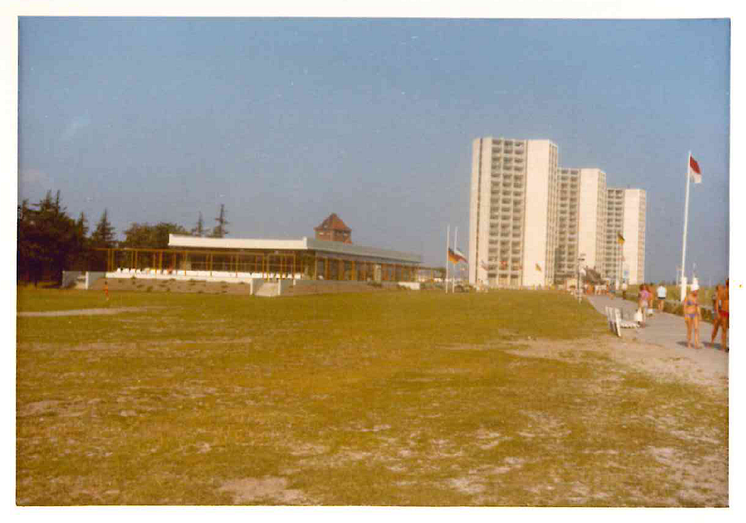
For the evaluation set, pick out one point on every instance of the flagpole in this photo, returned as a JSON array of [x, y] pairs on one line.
[[455, 268], [619, 272], [448, 246], [686, 219]]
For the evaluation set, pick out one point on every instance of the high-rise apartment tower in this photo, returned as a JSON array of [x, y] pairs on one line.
[[513, 212], [626, 212], [582, 221]]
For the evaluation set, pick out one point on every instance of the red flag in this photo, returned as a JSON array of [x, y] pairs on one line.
[[694, 171], [455, 257]]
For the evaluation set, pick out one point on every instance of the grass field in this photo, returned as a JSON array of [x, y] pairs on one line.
[[389, 398]]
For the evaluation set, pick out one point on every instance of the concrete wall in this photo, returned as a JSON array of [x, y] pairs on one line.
[[255, 282], [540, 225], [592, 216], [601, 218], [91, 277], [474, 210], [479, 208], [634, 234], [614, 226], [214, 276], [284, 285], [568, 216], [69, 278]]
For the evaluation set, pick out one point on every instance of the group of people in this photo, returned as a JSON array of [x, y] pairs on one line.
[[692, 311], [720, 311], [646, 301]]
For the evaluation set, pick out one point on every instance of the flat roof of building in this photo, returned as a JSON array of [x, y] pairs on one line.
[[303, 244]]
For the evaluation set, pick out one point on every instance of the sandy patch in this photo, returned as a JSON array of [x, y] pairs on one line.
[[84, 312], [38, 408], [486, 439], [308, 449], [467, 485], [700, 480], [268, 488], [661, 362]]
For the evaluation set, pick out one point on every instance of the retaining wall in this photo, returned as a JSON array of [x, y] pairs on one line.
[[69, 278]]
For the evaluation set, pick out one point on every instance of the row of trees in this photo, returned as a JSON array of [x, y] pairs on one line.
[[50, 241]]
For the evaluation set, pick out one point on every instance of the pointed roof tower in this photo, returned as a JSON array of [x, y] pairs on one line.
[[333, 229]]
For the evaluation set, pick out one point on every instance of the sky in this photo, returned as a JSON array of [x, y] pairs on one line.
[[286, 120]]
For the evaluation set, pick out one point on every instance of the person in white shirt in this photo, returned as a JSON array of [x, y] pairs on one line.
[[661, 296]]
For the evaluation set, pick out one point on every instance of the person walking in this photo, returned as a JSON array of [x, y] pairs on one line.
[[717, 299], [643, 300], [724, 315], [692, 317], [661, 297]]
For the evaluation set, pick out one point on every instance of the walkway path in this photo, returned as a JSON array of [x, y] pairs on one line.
[[84, 312], [668, 331]]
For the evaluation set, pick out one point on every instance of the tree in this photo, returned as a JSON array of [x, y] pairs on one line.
[[219, 231], [82, 224], [48, 239], [81, 247], [27, 254], [199, 229], [103, 235], [146, 236]]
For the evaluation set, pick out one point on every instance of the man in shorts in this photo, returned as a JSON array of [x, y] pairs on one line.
[[724, 311], [717, 299], [661, 291]]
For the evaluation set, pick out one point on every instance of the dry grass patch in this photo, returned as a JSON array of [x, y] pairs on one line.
[[371, 399]]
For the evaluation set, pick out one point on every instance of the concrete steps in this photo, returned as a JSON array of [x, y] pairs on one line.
[[80, 282], [268, 290]]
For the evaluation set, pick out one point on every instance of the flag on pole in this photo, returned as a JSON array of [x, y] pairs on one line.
[[460, 254], [483, 264], [620, 238], [538, 267], [694, 171], [453, 257]]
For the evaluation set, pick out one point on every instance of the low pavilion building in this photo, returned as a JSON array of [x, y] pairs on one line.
[[329, 256]]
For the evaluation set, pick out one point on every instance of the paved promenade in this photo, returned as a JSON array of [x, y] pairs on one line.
[[669, 331]]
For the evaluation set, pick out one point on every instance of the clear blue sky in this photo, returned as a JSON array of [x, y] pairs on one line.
[[287, 120]]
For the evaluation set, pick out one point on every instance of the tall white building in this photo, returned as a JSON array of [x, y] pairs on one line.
[[581, 220], [513, 212], [626, 213]]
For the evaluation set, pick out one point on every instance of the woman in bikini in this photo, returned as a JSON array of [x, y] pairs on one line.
[[692, 317]]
